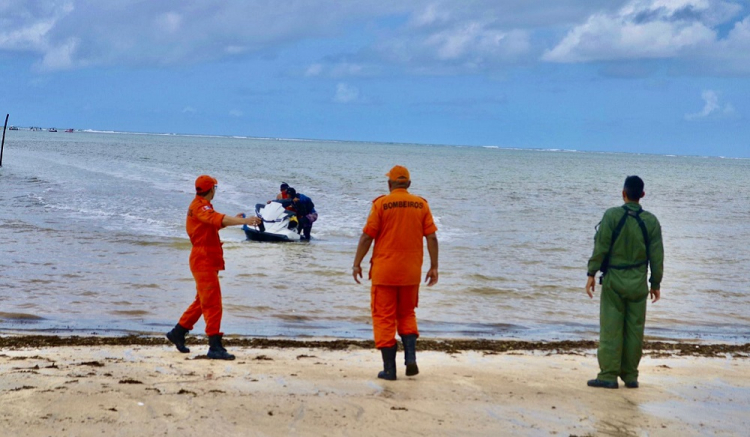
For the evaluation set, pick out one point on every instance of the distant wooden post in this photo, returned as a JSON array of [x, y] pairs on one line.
[[2, 145]]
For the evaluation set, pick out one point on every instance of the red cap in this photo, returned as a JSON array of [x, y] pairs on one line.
[[204, 183], [398, 172]]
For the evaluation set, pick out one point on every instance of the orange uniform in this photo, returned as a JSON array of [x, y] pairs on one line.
[[206, 259], [398, 223]]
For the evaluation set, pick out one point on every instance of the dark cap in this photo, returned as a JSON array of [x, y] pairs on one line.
[[291, 192], [283, 186]]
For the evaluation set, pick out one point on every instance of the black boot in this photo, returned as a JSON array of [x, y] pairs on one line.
[[389, 363], [177, 336], [215, 349], [410, 354], [602, 384]]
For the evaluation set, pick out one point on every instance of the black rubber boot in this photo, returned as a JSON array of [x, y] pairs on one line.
[[410, 354], [177, 336], [215, 349], [389, 363], [602, 384]]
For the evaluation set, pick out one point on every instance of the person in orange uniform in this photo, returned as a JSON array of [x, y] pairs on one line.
[[397, 222], [206, 259]]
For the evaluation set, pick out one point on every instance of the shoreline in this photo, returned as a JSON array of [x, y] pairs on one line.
[[450, 346], [90, 386]]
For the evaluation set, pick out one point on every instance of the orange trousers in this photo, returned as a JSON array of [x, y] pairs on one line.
[[393, 311], [207, 303]]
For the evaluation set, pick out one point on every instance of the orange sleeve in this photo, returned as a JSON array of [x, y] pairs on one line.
[[372, 227], [428, 223], [206, 214]]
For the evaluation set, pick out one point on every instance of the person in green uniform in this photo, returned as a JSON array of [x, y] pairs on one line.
[[628, 241]]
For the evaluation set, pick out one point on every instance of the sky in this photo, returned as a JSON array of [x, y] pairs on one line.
[[642, 76]]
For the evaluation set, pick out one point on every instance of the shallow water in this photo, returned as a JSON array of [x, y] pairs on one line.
[[92, 231]]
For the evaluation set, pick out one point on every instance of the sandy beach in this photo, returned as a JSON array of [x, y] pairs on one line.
[[135, 389]]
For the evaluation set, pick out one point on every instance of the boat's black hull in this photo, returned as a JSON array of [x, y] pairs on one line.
[[255, 235]]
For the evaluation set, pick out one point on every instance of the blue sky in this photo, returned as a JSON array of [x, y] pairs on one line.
[[651, 76]]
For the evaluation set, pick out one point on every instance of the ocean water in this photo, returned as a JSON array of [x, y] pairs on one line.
[[93, 240]]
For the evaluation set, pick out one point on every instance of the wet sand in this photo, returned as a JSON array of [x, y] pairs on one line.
[[135, 386]]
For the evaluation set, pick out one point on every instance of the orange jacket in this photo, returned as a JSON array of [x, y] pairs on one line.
[[398, 222], [203, 224]]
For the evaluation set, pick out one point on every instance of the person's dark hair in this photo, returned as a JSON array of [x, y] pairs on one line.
[[283, 186], [291, 192], [633, 187]]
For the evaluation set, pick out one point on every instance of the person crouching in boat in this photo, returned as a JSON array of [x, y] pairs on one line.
[[304, 208]]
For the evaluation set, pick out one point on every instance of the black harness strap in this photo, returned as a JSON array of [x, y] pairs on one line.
[[637, 216]]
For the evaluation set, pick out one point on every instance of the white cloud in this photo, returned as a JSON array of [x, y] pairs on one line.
[[235, 50], [346, 93], [687, 31], [27, 37], [236, 113], [338, 69], [27, 27], [442, 35], [431, 14], [170, 22], [314, 70], [474, 39], [646, 29], [173, 32], [188, 110], [711, 107], [61, 57], [424, 36], [732, 54]]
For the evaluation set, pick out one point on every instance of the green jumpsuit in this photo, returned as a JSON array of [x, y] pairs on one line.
[[622, 313]]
